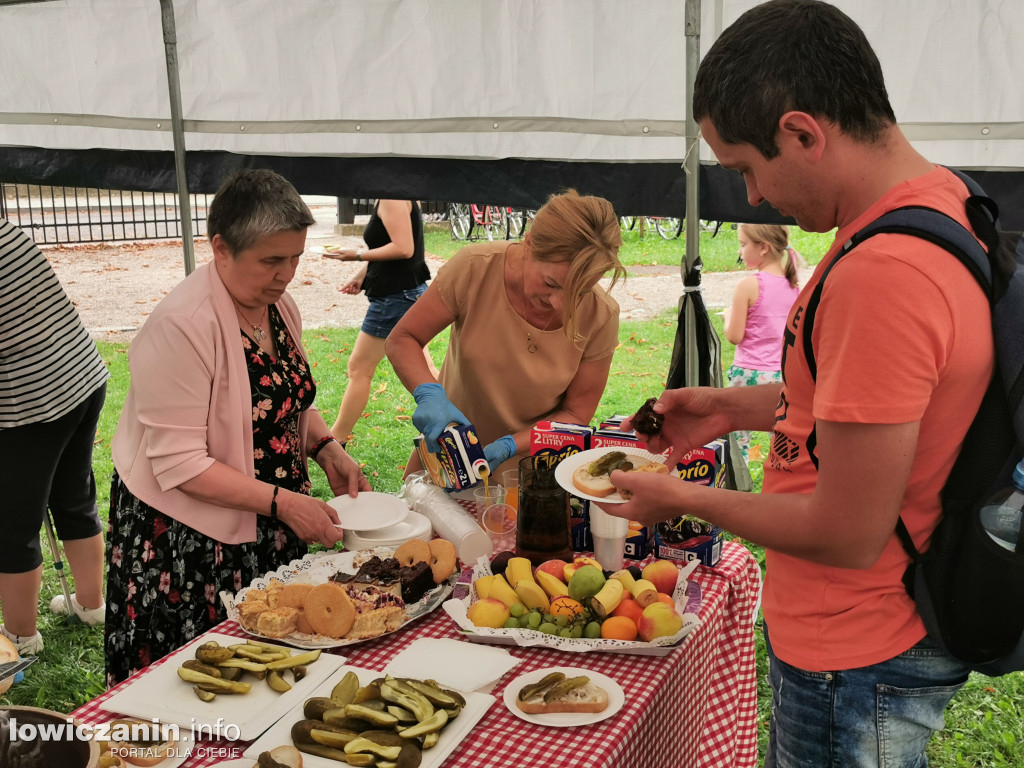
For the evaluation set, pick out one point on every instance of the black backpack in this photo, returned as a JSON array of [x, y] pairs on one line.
[[968, 589]]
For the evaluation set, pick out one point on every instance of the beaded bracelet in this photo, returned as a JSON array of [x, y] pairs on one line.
[[320, 446], [273, 504]]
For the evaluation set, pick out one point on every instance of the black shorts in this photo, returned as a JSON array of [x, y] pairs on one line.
[[48, 465]]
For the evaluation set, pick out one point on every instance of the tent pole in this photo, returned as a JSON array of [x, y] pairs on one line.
[[691, 165], [178, 131]]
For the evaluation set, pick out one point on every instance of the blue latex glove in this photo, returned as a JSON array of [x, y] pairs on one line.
[[500, 451], [434, 412]]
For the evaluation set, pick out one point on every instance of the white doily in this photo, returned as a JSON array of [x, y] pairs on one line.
[[687, 596]]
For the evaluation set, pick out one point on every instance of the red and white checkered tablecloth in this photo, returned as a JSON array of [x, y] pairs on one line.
[[696, 707]]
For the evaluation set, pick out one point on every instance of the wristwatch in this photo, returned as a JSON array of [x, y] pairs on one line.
[[359, 254]]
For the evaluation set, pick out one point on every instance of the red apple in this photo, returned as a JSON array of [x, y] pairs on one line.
[[555, 567], [663, 574], [658, 620]]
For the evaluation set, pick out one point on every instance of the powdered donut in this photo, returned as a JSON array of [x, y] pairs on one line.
[[294, 595], [413, 551], [329, 610], [442, 559]]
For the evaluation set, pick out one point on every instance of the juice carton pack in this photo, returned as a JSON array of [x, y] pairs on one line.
[[459, 463], [554, 442], [688, 538]]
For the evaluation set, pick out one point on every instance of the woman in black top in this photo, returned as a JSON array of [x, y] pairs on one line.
[[395, 276]]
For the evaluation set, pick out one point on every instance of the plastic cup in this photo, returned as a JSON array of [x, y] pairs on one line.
[[609, 534], [499, 520], [485, 497], [510, 479]]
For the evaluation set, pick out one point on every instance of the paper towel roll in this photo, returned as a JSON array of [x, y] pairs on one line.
[[448, 518]]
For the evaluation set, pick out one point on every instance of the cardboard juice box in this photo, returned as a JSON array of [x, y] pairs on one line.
[[556, 441], [688, 538]]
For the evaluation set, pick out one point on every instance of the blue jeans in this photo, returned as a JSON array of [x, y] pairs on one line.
[[385, 311], [880, 716]]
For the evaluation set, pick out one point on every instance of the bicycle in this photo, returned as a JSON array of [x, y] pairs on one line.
[[668, 227], [496, 222]]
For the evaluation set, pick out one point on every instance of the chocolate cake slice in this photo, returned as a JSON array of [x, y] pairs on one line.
[[646, 421], [413, 581], [417, 579]]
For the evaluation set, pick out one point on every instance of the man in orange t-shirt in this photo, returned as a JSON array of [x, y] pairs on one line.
[[792, 96]]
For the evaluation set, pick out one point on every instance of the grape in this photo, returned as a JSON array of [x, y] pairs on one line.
[[511, 623], [576, 631], [534, 619], [592, 630], [549, 619], [524, 620], [548, 628], [517, 609], [565, 632], [562, 620]]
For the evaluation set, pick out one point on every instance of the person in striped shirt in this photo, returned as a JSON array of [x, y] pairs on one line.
[[52, 388]]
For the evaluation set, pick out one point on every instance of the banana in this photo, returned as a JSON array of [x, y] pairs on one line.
[[553, 586], [483, 586], [518, 569], [643, 591], [531, 595], [500, 590], [608, 599]]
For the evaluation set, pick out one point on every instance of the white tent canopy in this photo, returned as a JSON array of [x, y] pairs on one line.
[[499, 100]]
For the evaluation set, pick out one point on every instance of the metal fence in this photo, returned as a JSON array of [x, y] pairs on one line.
[[79, 215], [53, 215]]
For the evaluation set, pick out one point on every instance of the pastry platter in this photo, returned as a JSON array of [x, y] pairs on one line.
[[318, 568]]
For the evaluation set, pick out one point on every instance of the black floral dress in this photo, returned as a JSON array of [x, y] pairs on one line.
[[164, 577]]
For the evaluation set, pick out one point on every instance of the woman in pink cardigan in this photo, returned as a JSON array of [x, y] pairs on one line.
[[210, 486]]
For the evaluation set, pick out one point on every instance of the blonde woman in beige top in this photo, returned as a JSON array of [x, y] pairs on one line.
[[532, 334]]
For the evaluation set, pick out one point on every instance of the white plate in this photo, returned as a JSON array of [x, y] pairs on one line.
[[476, 707], [162, 694], [565, 468], [369, 511], [616, 698], [319, 568], [322, 249]]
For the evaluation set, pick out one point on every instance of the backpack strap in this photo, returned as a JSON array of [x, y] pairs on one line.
[[927, 224]]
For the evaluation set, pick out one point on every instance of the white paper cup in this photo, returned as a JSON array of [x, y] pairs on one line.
[[609, 551], [603, 524]]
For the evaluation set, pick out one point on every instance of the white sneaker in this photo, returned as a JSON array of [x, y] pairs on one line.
[[30, 645], [90, 616]]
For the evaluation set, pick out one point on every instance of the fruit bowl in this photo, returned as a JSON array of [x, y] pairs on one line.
[[687, 598]]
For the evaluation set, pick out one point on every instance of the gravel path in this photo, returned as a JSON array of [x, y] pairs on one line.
[[116, 286]]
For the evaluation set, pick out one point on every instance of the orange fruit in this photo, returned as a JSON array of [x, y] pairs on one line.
[[667, 599], [565, 606], [629, 608], [619, 628]]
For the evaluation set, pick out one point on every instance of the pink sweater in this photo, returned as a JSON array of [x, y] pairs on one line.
[[189, 404]]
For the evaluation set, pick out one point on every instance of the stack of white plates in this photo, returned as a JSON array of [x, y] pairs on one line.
[[379, 520], [414, 526]]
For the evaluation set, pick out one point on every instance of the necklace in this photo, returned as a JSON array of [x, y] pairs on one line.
[[531, 345], [257, 328]]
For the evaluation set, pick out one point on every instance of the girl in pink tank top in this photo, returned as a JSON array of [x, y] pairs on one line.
[[757, 318]]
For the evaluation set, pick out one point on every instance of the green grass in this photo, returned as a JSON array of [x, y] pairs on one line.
[[718, 251], [984, 724]]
